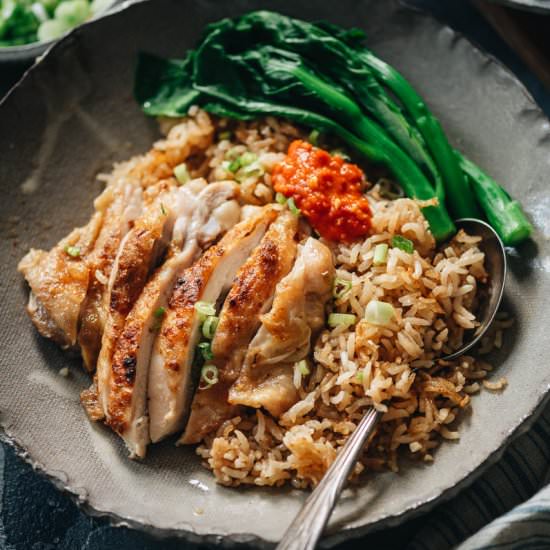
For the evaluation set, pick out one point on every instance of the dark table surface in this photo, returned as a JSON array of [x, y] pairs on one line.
[[35, 516]]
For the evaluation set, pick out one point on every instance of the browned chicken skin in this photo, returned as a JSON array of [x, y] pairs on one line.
[[286, 332], [170, 373], [249, 297], [126, 398]]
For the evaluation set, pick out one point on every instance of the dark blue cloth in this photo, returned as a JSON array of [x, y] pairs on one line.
[[34, 515]]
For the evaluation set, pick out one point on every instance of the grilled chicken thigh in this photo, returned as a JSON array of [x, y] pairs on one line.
[[127, 392], [59, 283], [285, 335], [249, 297], [125, 206], [138, 254], [170, 376]]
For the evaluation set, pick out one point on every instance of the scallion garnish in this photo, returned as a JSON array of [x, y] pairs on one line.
[[379, 313], [402, 243], [292, 207], [205, 349], [73, 251], [314, 137], [380, 254], [280, 198], [162, 209], [340, 288], [181, 173], [209, 326], [248, 158], [341, 319], [205, 308], [209, 375], [302, 367], [234, 165], [159, 312]]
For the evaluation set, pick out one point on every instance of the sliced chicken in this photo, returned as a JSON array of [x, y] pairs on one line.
[[249, 297], [297, 313], [170, 373], [59, 282], [68, 289], [137, 256], [125, 204], [127, 395]]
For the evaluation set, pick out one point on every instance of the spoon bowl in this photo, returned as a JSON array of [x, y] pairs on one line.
[[495, 265]]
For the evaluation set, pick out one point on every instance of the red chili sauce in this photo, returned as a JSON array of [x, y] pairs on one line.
[[326, 189]]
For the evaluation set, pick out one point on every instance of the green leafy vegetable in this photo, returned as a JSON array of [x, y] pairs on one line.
[[320, 76], [503, 213]]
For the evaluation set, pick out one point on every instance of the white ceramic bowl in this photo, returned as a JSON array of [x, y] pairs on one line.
[[29, 52]]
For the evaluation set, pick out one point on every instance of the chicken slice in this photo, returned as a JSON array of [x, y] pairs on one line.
[[249, 297], [59, 280], [124, 206], [297, 313], [137, 256], [127, 396], [170, 373]]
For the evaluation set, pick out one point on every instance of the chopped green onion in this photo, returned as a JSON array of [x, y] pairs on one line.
[[380, 254], [314, 137], [302, 367], [360, 375], [204, 309], [234, 165], [205, 349], [232, 153], [73, 251], [254, 169], [159, 312], [162, 209], [379, 313], [402, 243], [280, 198], [248, 158], [181, 173], [340, 288], [209, 326], [338, 319], [225, 135], [209, 375], [292, 207]]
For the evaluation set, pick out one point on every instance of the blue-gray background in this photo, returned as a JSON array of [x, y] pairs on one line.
[[35, 516]]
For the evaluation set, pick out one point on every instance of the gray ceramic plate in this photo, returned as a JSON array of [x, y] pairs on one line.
[[74, 113]]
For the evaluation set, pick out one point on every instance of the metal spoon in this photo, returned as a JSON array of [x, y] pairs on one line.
[[308, 526]]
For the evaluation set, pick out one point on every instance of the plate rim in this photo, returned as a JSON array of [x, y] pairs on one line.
[[187, 531]]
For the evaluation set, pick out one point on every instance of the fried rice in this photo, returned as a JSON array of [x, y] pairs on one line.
[[394, 368]]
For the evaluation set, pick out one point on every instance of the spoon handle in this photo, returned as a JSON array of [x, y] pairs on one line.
[[307, 527]]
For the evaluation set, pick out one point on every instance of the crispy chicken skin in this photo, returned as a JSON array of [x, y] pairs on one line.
[[286, 332], [127, 392], [59, 283], [170, 373], [67, 301], [137, 255], [249, 297]]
